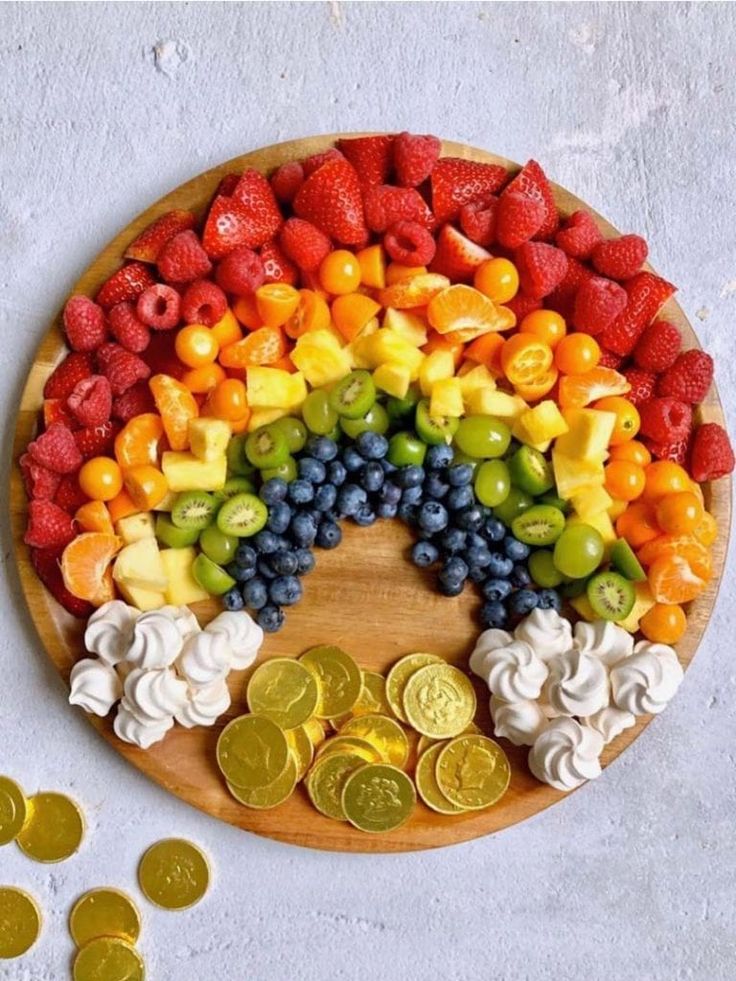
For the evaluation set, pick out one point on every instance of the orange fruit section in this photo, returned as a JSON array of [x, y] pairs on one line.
[[672, 580], [351, 312], [146, 485], [177, 406], [84, 564], [312, 313], [94, 516], [264, 346], [462, 307], [577, 391], [139, 441]]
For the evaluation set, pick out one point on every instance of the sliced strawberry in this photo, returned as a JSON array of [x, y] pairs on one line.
[[331, 199], [532, 181], [126, 284], [227, 227], [46, 562], [647, 294], [146, 247], [96, 440], [456, 256], [370, 155], [276, 267], [456, 182], [259, 206], [56, 410]]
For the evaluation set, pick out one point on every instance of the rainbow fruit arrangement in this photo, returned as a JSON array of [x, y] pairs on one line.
[[373, 332]]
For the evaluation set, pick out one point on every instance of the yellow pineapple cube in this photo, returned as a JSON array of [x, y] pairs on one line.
[[590, 502], [320, 357], [544, 422], [447, 399], [182, 587], [588, 434], [435, 367], [262, 417], [386, 346], [139, 565], [472, 377], [493, 402], [275, 388], [394, 379], [573, 474], [133, 527], [142, 599], [411, 327], [184, 471], [520, 432], [601, 522], [208, 438], [616, 509], [581, 605], [643, 602]]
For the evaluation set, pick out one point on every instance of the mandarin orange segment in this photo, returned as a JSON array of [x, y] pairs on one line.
[[351, 312], [707, 531], [396, 271], [312, 313], [94, 516], [672, 580], [462, 307], [486, 350], [276, 302], [227, 330], [264, 346], [577, 391], [139, 441], [84, 563], [246, 311], [685, 546], [146, 485], [177, 406], [372, 262], [415, 291]]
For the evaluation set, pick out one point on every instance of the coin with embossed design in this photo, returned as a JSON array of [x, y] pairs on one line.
[[338, 678], [473, 772], [53, 829], [302, 749], [316, 731], [263, 798], [378, 797], [398, 676], [13, 810], [252, 752], [350, 744], [385, 734], [426, 781], [174, 874], [439, 700], [426, 741], [326, 780], [284, 691], [371, 701]]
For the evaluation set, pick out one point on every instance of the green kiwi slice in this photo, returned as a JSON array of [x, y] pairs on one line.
[[233, 486], [354, 395], [434, 431], [530, 471], [611, 596], [242, 515], [623, 559], [540, 524], [236, 460], [168, 534], [267, 447], [194, 510], [211, 576]]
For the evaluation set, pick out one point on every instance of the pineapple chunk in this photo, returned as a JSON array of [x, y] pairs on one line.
[[411, 327], [601, 522], [588, 435], [643, 603], [447, 399], [208, 438], [574, 475], [182, 587], [472, 377], [592, 501], [387, 346], [616, 509], [520, 432], [436, 367], [492, 402], [272, 387], [184, 471], [393, 379], [544, 422], [142, 599], [581, 605], [262, 417], [139, 565], [320, 357], [167, 503], [136, 526]]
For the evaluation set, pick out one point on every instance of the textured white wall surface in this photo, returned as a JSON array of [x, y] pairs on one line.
[[103, 108]]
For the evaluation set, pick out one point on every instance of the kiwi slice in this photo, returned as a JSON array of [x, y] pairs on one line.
[[434, 431], [194, 510], [539, 525], [611, 596], [571, 588], [530, 471], [267, 447], [354, 395], [623, 559], [211, 576], [168, 534], [243, 515], [233, 486], [236, 459], [399, 410], [555, 502], [287, 471]]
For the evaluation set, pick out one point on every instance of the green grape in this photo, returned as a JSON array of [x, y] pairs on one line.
[[218, 546], [375, 421], [318, 414], [237, 463], [578, 551], [399, 410], [515, 504], [294, 431], [492, 483], [287, 471], [483, 436], [405, 449], [460, 457], [542, 569]]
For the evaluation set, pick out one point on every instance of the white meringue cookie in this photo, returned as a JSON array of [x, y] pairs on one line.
[[207, 657], [609, 722], [155, 694], [519, 722], [603, 639], [204, 705], [566, 754], [515, 673], [95, 686], [109, 631], [489, 640], [244, 635], [646, 681], [185, 620], [577, 684], [546, 632], [157, 640], [130, 729]]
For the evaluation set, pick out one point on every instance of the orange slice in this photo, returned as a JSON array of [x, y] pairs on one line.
[[177, 406], [351, 312], [416, 291], [139, 441], [311, 314], [264, 346], [579, 390], [672, 580], [684, 546], [94, 516], [276, 302], [462, 307], [84, 564]]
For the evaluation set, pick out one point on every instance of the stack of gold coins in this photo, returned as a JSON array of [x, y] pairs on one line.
[[355, 737], [105, 925]]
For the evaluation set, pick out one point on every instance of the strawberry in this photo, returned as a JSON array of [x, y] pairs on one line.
[[456, 256], [70, 496], [227, 185], [579, 235], [260, 208], [647, 293], [56, 450], [665, 419], [182, 259], [610, 360], [658, 347], [40, 482], [330, 198], [385, 205], [370, 155], [620, 258], [123, 370], [598, 302], [46, 563], [133, 402], [317, 160], [712, 456], [478, 221], [541, 267], [241, 271], [642, 384], [415, 158], [74, 367], [159, 307], [48, 526], [227, 227], [304, 243], [286, 181], [562, 297], [532, 181], [276, 267], [518, 218], [521, 305], [97, 441], [56, 410], [409, 244], [689, 378], [126, 284], [91, 401], [130, 332], [84, 323], [456, 182], [675, 450], [146, 247], [203, 303]]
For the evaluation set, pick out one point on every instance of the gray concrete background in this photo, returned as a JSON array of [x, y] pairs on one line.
[[105, 107]]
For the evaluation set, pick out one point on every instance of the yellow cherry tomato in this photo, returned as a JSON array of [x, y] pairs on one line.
[[228, 400], [196, 345], [498, 279], [101, 478], [627, 418], [632, 450], [547, 325], [525, 358], [577, 353], [340, 272]]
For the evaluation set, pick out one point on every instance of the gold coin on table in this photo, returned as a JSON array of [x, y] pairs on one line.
[[274, 794], [316, 731], [473, 772], [301, 748], [174, 874], [252, 752], [350, 744], [104, 913], [385, 734], [338, 678], [378, 797], [439, 700], [371, 701], [399, 675], [20, 922], [108, 959], [13, 810], [326, 780], [284, 691], [426, 781], [426, 741], [53, 829]]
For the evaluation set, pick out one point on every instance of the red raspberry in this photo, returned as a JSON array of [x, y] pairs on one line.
[[642, 385], [712, 456], [287, 180], [521, 305], [478, 221], [579, 235], [276, 267], [74, 367], [647, 293], [678, 450], [597, 303], [665, 419], [182, 259], [414, 158], [96, 441], [241, 271], [203, 303], [124, 285], [370, 155], [610, 360], [56, 450], [385, 205], [84, 324], [304, 243], [410, 244], [124, 369], [658, 347], [106, 353], [70, 496], [620, 258], [91, 401], [518, 218], [317, 160], [689, 378], [40, 483], [127, 329], [134, 402], [159, 307], [541, 268], [46, 563], [562, 297], [48, 526]]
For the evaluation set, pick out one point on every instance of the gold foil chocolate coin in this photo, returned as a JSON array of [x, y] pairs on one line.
[[350, 744], [426, 781], [426, 741], [316, 731], [371, 701], [104, 913], [301, 748], [284, 691], [53, 829], [13, 810], [385, 734], [252, 752], [20, 922], [174, 874], [399, 675], [274, 794], [473, 772], [378, 798], [108, 959], [326, 780], [338, 677], [439, 700]]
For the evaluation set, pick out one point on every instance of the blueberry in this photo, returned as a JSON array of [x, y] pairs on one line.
[[478, 555], [389, 493], [270, 619], [364, 516], [322, 448], [496, 589], [477, 574], [549, 599], [241, 573], [493, 614], [305, 561], [432, 516], [515, 549], [471, 519], [303, 530], [266, 542], [494, 530], [265, 569], [521, 602], [388, 467], [233, 599], [475, 540], [453, 540], [371, 475], [413, 495], [454, 569], [500, 566], [408, 512], [312, 470], [349, 499], [336, 473], [284, 563], [329, 535], [255, 594], [325, 497], [273, 491], [373, 446], [301, 491], [459, 498], [387, 510], [285, 591], [449, 587], [460, 475], [438, 457], [411, 476], [520, 576], [284, 545], [352, 459], [435, 486], [246, 556], [279, 517]]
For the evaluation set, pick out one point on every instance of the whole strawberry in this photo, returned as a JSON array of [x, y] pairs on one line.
[[91, 401], [84, 324], [712, 456], [182, 259], [578, 235], [370, 155], [414, 158], [56, 450], [48, 525], [241, 271], [125, 285], [620, 258], [518, 218], [658, 347], [74, 367], [598, 302], [665, 419], [541, 268], [304, 243], [331, 199], [689, 378]]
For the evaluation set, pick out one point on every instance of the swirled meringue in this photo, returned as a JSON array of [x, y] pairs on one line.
[[515, 673], [207, 657], [546, 632], [95, 686], [489, 640], [577, 684], [157, 641], [609, 722], [566, 754], [604, 640], [204, 705], [185, 620], [243, 634], [646, 681], [155, 694], [519, 722], [130, 729], [110, 630]]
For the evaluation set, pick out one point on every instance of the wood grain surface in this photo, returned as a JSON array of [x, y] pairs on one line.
[[365, 596]]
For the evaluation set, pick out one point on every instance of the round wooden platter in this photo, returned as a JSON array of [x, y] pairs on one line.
[[364, 596]]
